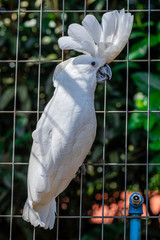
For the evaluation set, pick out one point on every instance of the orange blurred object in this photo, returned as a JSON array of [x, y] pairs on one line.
[[155, 204], [116, 207]]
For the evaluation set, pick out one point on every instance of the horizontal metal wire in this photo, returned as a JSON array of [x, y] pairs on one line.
[[58, 61], [111, 111], [76, 11], [89, 217], [94, 164]]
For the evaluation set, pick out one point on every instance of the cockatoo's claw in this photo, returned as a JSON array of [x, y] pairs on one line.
[[82, 170], [104, 73]]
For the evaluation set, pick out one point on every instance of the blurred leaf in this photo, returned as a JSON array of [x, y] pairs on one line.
[[142, 25], [46, 40], [97, 153], [136, 120], [138, 50], [99, 184], [141, 81], [141, 101], [21, 124], [8, 80], [51, 56], [30, 23], [155, 159], [24, 97], [21, 141], [2, 41], [6, 97], [12, 41], [3, 194], [136, 34], [7, 180], [154, 181], [30, 43], [152, 122], [155, 146], [90, 188], [99, 5], [155, 100], [94, 235], [154, 134], [155, 40], [21, 177], [114, 157]]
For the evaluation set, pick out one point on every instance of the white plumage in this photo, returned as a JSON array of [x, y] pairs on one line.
[[67, 127]]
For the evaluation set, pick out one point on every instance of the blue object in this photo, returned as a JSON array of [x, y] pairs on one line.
[[135, 210]]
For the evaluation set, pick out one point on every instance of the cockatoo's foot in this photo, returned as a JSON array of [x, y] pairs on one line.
[[82, 170]]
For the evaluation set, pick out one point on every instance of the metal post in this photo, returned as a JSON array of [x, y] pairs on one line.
[[135, 210]]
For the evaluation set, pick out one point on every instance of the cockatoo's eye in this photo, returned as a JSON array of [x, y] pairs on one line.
[[94, 63]]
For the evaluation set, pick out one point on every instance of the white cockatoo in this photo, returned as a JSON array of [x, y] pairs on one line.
[[66, 130]]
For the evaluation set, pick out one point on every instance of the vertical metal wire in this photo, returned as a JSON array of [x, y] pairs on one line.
[[104, 124], [63, 7], [104, 157], [126, 136], [106, 4], [39, 58], [126, 143], [85, 7], [34, 233], [57, 230], [80, 208], [148, 114], [104, 149], [81, 177], [14, 122], [39, 74]]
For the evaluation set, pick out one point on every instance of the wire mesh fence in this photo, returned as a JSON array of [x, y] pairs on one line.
[[125, 156]]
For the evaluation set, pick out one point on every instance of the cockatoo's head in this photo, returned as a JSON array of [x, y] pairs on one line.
[[90, 65], [100, 43]]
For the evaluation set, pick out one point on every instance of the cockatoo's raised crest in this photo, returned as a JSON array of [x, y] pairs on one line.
[[66, 130], [103, 41]]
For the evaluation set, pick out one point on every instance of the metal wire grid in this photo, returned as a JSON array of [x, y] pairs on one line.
[[126, 112]]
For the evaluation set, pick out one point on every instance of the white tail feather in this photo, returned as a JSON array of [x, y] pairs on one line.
[[40, 215]]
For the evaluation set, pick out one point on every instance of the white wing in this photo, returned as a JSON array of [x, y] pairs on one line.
[[61, 141]]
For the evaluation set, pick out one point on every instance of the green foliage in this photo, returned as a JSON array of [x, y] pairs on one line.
[[27, 99], [141, 81]]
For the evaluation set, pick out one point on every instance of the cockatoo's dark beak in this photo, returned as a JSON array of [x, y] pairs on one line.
[[104, 73]]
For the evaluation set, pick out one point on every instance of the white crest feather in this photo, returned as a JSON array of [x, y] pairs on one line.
[[103, 41], [69, 43], [80, 34], [88, 22]]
